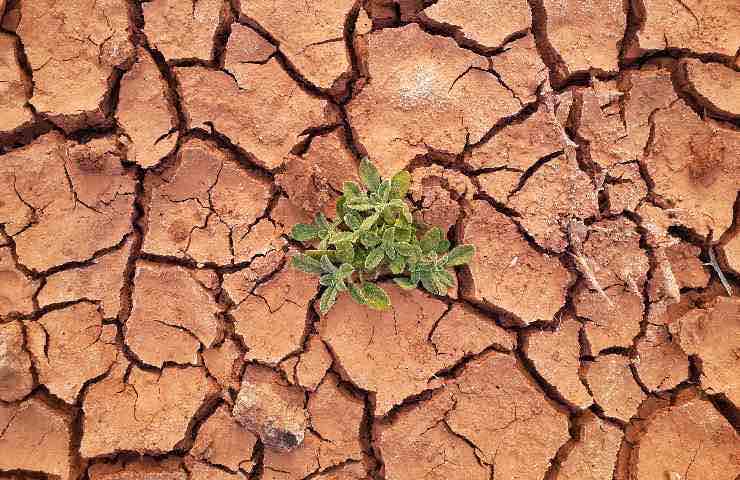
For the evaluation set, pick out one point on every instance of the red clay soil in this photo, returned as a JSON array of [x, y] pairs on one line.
[[154, 156]]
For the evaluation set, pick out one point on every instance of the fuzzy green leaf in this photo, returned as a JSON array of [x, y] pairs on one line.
[[375, 296], [369, 174], [359, 205], [368, 223], [321, 221], [356, 293], [345, 252], [460, 255], [442, 246], [328, 299], [352, 220], [351, 190], [369, 239], [389, 235], [345, 270], [340, 285], [398, 265], [374, 258], [340, 237], [408, 250], [405, 283], [306, 264], [445, 278], [407, 215], [400, 184], [304, 232], [319, 253], [389, 215], [327, 280], [427, 281], [326, 265], [384, 191], [431, 239], [403, 235]]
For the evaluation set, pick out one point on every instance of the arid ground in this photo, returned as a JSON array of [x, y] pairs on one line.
[[154, 156]]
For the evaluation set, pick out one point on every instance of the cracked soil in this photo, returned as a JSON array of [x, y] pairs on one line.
[[155, 154]]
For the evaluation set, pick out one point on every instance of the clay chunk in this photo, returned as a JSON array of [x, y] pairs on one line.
[[70, 347], [586, 35], [181, 30], [171, 316], [144, 111], [73, 48], [222, 441], [54, 189], [702, 27], [270, 409], [261, 109], [713, 334], [509, 274], [556, 356], [691, 441], [13, 89], [422, 95], [142, 411], [16, 379], [316, 48], [37, 438], [16, 289]]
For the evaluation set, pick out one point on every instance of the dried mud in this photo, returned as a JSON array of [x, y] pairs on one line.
[[154, 156]]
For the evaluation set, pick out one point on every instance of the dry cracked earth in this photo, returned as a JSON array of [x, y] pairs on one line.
[[154, 155]]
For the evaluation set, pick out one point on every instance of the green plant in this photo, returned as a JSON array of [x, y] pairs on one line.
[[373, 234]]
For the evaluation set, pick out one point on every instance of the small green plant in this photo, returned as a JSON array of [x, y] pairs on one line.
[[374, 234]]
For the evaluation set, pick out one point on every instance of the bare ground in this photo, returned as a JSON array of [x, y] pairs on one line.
[[154, 155]]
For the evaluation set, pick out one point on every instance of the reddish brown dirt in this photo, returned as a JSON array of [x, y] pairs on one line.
[[154, 156]]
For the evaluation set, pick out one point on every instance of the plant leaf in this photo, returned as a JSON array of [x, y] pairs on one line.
[[403, 234], [327, 279], [321, 221], [345, 252], [405, 283], [345, 270], [442, 246], [368, 223], [431, 239], [398, 265], [340, 285], [407, 215], [356, 293], [369, 239], [306, 264], [352, 220], [427, 281], [359, 205], [303, 232], [340, 237], [389, 235], [445, 278], [400, 184], [351, 190], [369, 174], [460, 255], [376, 297], [327, 265], [319, 253], [388, 215], [384, 190], [408, 250], [374, 258], [328, 299]]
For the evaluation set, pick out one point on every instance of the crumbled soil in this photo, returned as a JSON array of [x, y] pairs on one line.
[[154, 156]]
